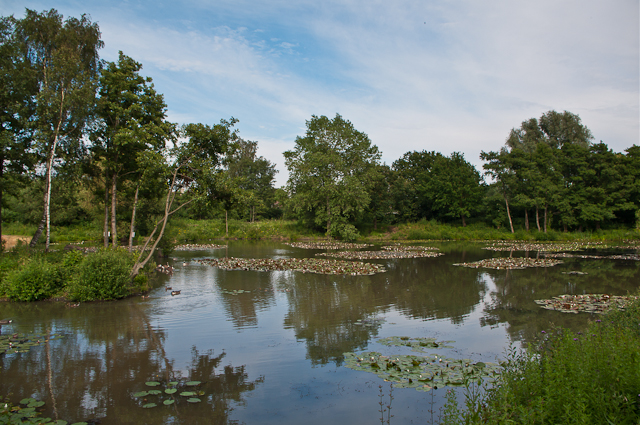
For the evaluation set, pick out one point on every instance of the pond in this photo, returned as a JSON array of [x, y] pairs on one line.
[[269, 347]]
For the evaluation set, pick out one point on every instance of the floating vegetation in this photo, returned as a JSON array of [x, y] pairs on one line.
[[510, 263], [20, 343], [420, 372], [153, 398], [416, 344], [587, 303], [370, 323], [409, 248], [574, 272], [543, 247], [380, 255], [328, 245], [234, 292], [197, 247], [305, 265], [633, 257]]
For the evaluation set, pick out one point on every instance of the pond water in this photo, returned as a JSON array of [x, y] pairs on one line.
[[273, 352]]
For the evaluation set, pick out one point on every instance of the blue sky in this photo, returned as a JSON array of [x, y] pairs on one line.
[[439, 75]]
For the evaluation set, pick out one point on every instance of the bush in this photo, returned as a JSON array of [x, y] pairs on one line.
[[103, 276], [37, 280]]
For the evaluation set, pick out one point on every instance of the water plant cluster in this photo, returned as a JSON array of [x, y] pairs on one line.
[[305, 265], [422, 373], [380, 255], [632, 257], [197, 247], [587, 303], [409, 248], [26, 412], [543, 247], [21, 343], [328, 245], [416, 344], [169, 393], [503, 263]]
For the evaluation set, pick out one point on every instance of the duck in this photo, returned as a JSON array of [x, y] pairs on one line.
[[175, 292], [168, 288], [5, 321]]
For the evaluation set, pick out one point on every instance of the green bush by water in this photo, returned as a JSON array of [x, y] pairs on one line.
[[103, 276], [37, 280], [565, 378]]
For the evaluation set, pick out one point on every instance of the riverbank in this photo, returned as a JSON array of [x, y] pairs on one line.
[[184, 231]]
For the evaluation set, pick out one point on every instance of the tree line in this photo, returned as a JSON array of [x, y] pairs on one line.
[[86, 140]]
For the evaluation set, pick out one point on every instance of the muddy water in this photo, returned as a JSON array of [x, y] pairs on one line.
[[274, 353]]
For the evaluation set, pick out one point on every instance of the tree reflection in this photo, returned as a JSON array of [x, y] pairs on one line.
[[93, 372], [512, 301]]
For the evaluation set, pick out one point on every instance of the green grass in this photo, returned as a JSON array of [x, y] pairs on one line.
[[590, 377]]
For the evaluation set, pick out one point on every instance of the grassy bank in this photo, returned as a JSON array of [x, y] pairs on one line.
[[189, 231]]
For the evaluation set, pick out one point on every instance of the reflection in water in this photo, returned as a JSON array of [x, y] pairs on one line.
[[288, 330], [109, 351], [512, 300]]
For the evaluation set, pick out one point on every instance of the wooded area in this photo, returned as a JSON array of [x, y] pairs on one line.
[[85, 140]]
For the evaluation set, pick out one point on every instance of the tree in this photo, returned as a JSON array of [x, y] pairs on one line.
[[455, 187], [65, 57], [191, 163], [131, 120], [252, 174], [330, 173], [18, 83], [412, 186]]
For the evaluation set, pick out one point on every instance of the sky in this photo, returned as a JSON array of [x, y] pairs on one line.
[[436, 75]]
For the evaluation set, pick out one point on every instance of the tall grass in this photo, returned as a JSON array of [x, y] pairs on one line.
[[590, 377]]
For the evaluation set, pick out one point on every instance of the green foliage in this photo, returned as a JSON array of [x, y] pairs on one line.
[[330, 172], [564, 378], [103, 276], [36, 280]]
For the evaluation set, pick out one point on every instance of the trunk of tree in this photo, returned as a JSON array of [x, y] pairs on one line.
[[545, 219], [537, 219], [328, 217], [226, 223], [114, 229], [526, 220], [133, 218], [1, 189], [464, 223], [139, 264], [39, 230], [47, 193], [105, 229], [506, 201]]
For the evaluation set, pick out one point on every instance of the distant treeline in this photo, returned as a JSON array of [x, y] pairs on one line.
[[85, 140]]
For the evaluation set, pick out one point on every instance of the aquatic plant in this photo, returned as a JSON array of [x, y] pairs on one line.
[[380, 255], [587, 303], [21, 343], [305, 265], [416, 344], [168, 393], [502, 263], [328, 245], [421, 372]]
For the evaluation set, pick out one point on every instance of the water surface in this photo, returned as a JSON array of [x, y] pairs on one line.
[[274, 353]]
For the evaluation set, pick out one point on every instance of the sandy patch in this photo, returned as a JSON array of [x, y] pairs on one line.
[[11, 240]]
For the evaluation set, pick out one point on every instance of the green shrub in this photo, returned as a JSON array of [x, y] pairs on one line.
[[103, 276], [37, 280]]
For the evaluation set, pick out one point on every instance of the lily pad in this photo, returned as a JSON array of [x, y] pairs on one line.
[[420, 372], [152, 383], [155, 392], [168, 402], [193, 400], [141, 394], [192, 383], [416, 344], [188, 393], [172, 383], [149, 405], [170, 390]]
